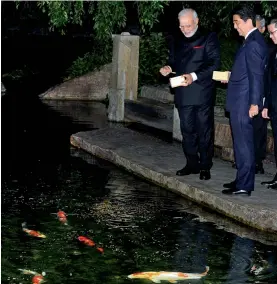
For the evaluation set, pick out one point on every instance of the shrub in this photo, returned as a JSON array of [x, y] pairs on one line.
[[153, 54], [99, 56]]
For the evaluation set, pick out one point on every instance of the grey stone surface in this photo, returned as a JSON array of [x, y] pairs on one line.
[[157, 161], [158, 94], [176, 131], [151, 108], [116, 105], [223, 136], [92, 86]]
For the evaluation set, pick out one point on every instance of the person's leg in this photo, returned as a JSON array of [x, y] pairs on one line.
[[273, 118], [259, 128], [189, 142], [205, 130], [242, 130]]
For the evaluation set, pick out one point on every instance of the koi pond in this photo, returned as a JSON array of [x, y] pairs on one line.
[[114, 224]]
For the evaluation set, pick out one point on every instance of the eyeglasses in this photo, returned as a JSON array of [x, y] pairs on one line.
[[271, 33], [186, 26]]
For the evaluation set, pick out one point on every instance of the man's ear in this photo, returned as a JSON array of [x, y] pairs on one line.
[[196, 21], [250, 22]]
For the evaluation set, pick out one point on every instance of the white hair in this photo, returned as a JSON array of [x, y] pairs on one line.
[[273, 21], [187, 11], [261, 19]]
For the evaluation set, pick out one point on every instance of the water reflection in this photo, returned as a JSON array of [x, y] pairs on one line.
[[141, 227]]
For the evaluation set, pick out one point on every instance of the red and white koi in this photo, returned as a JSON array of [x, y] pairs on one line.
[[172, 277], [37, 279], [32, 233]]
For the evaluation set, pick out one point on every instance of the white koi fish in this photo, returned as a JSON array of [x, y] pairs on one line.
[[171, 277], [28, 272]]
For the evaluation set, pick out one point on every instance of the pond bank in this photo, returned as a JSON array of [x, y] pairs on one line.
[[157, 161]]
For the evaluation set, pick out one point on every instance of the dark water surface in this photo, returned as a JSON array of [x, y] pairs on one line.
[[141, 227]]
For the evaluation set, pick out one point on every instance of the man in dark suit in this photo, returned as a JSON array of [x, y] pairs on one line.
[[245, 98], [259, 123], [194, 55], [270, 106]]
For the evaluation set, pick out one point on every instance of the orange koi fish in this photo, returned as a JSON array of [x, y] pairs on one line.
[[37, 279], [86, 241], [62, 217], [100, 249], [172, 277], [32, 233]]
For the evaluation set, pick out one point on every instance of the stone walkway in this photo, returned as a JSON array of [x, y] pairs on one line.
[[157, 161]]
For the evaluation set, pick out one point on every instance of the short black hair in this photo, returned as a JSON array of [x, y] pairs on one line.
[[245, 12]]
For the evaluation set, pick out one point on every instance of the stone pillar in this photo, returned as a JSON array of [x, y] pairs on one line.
[[125, 64], [116, 105], [177, 135], [124, 77]]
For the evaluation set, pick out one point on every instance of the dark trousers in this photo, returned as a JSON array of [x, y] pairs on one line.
[[260, 138], [273, 119], [197, 127], [243, 141]]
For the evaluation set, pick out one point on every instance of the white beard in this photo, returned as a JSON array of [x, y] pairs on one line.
[[191, 33]]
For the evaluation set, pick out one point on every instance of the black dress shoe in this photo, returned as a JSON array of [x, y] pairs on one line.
[[205, 174], [273, 186], [236, 191], [230, 185], [269, 183], [187, 171], [259, 169]]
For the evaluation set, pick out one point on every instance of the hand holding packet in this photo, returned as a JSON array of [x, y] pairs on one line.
[[177, 81]]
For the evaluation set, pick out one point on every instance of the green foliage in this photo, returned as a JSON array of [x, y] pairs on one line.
[[109, 16], [227, 53], [148, 12], [220, 96], [62, 13], [90, 61], [269, 7], [153, 55], [18, 74]]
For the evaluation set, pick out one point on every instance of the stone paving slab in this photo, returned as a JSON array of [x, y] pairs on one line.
[[157, 161]]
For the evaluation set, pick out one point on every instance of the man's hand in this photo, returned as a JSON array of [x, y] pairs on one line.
[[188, 79], [165, 70], [226, 81], [254, 110], [265, 113]]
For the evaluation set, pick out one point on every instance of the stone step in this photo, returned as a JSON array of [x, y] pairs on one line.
[[150, 113], [160, 94], [150, 108], [159, 116]]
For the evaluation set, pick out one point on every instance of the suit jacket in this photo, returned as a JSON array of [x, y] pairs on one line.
[[199, 54], [246, 83], [271, 90]]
